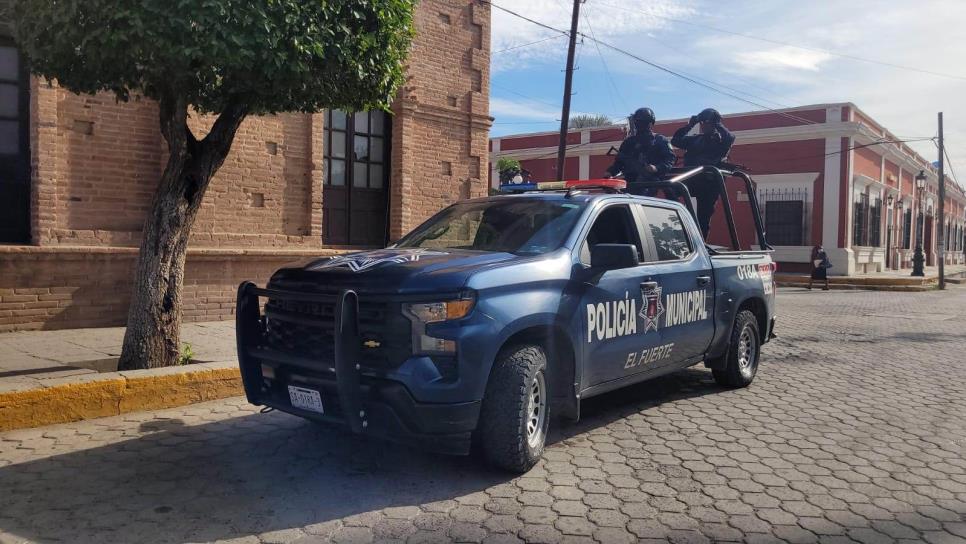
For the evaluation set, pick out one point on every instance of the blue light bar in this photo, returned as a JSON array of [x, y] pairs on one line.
[[518, 187]]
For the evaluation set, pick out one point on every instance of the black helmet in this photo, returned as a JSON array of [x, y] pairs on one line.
[[709, 114], [643, 115]]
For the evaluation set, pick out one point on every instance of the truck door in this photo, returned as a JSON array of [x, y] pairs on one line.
[[615, 317], [686, 282]]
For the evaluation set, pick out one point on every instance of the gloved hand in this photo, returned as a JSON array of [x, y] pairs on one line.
[[650, 168], [693, 121]]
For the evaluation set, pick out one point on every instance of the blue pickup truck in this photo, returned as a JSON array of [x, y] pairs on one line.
[[498, 313]]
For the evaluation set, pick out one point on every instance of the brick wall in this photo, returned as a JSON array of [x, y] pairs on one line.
[[52, 288], [95, 164], [442, 114]]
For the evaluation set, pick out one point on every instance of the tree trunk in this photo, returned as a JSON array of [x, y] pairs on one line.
[[152, 338]]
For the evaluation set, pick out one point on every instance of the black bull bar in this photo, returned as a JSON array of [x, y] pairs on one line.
[[249, 329]]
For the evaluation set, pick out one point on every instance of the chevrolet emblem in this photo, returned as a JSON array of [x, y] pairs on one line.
[[371, 344]]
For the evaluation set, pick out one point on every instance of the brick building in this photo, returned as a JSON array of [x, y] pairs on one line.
[[77, 174], [822, 179]]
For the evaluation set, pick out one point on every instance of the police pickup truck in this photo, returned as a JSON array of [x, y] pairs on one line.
[[498, 313]]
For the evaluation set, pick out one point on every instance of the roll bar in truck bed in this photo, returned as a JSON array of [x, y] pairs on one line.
[[675, 185]]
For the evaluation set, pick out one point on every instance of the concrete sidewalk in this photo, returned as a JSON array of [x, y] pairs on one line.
[[32, 357], [887, 280]]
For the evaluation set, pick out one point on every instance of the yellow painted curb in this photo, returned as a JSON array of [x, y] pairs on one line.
[[114, 395]]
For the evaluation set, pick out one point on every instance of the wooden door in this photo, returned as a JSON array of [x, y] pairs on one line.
[[355, 198], [14, 147]]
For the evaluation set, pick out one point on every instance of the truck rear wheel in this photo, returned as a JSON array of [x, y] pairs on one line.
[[744, 350], [514, 417]]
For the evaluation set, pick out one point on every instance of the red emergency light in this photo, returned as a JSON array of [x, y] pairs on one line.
[[616, 184]]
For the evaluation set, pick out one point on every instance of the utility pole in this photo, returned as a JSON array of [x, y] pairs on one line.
[[941, 238], [568, 83]]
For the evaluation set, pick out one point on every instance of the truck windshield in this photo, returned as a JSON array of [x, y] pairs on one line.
[[505, 225]]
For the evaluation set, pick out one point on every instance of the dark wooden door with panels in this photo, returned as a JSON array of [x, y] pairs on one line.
[[14, 147], [355, 193]]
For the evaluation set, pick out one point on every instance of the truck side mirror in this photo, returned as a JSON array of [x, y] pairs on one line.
[[613, 256]]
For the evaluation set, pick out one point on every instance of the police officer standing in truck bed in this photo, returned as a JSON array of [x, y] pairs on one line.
[[643, 155], [708, 148]]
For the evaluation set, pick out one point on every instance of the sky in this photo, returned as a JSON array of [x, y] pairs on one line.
[[792, 53]]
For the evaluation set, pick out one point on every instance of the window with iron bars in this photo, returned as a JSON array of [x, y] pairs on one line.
[[875, 223], [785, 215], [860, 220], [907, 229]]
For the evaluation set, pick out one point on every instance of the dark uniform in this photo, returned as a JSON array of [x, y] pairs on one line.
[[641, 149], [706, 149]]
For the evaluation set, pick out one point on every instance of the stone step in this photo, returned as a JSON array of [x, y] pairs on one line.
[[817, 286], [859, 280]]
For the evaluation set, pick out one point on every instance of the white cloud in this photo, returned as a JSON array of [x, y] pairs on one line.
[[522, 109], [900, 33], [608, 20], [784, 57]]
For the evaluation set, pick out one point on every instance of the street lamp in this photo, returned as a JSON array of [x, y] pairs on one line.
[[918, 258]]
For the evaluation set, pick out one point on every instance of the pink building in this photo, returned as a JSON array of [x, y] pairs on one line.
[[822, 179]]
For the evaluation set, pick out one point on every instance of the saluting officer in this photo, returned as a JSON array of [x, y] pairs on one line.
[[708, 148], [643, 155]]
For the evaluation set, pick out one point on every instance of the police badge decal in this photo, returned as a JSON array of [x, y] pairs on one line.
[[652, 308]]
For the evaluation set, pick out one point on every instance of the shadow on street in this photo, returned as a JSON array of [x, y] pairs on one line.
[[256, 473]]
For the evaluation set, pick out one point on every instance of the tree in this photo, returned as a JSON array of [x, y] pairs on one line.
[[587, 120], [507, 168], [226, 58], [506, 164]]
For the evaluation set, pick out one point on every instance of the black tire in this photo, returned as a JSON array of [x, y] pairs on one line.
[[508, 438], [744, 351]]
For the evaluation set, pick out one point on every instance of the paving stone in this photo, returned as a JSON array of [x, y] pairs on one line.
[[867, 453]]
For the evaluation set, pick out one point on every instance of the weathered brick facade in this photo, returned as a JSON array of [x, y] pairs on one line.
[[95, 163]]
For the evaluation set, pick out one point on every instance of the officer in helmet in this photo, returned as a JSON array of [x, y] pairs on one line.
[[707, 148], [643, 155]]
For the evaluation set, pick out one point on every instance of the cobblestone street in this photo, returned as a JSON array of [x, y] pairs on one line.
[[855, 430]]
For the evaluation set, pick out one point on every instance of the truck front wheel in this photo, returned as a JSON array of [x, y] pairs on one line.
[[514, 417], [744, 349]]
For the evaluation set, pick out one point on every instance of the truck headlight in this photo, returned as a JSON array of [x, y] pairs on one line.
[[434, 312], [423, 313]]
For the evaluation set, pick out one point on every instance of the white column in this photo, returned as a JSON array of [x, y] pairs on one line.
[[583, 171], [494, 175], [832, 184]]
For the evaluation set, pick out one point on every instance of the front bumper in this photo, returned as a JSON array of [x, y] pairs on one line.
[[365, 404]]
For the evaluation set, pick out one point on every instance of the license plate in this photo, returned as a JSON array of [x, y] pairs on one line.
[[306, 399]]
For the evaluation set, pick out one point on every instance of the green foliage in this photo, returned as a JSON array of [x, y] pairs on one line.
[[506, 164], [187, 354], [585, 120], [266, 55]]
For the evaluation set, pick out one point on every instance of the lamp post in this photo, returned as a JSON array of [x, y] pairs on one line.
[[890, 261], [918, 258]]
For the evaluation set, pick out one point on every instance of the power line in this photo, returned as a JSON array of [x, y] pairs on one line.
[[846, 150], [603, 62], [530, 98], [662, 68], [708, 86], [526, 44], [525, 18], [952, 170], [797, 46]]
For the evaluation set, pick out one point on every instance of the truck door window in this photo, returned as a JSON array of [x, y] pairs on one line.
[[667, 229], [614, 225]]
